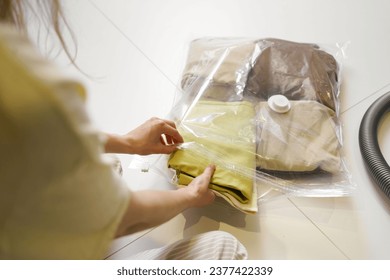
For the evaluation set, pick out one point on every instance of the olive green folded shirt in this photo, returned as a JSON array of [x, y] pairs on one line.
[[226, 131]]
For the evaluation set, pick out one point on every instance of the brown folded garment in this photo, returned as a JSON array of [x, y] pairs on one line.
[[298, 71]]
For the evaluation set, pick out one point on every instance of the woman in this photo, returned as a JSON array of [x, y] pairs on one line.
[[59, 198]]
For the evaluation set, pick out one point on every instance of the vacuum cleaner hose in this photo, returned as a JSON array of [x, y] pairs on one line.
[[369, 146]]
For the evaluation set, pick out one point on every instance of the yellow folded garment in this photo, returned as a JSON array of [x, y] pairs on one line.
[[304, 139], [226, 131]]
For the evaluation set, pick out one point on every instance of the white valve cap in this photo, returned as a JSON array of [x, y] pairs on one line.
[[279, 103]]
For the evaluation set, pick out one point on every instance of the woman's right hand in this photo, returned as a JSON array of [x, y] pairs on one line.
[[200, 193]]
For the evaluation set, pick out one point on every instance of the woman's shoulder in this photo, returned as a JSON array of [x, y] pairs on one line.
[[37, 97], [17, 45]]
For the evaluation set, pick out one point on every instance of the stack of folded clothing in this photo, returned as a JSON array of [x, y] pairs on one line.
[[226, 131], [303, 138], [260, 106]]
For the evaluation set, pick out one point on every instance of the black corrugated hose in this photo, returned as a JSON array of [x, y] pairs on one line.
[[369, 146]]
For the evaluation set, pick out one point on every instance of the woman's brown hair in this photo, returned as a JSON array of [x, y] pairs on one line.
[[48, 13]]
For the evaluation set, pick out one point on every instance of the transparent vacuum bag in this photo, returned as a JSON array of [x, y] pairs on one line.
[[266, 113]]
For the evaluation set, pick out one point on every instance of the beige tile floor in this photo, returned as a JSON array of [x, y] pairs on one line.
[[135, 51]]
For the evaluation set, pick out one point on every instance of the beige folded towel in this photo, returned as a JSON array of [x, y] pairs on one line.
[[303, 139]]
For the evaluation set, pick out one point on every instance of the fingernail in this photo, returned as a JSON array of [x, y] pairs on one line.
[[212, 166]]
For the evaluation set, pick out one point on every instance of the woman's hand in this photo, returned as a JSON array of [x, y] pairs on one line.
[[155, 136], [199, 190], [149, 208]]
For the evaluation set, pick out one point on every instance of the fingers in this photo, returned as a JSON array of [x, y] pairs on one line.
[[168, 140], [163, 148], [170, 123], [204, 179], [172, 134], [204, 184], [169, 137], [199, 188], [209, 171]]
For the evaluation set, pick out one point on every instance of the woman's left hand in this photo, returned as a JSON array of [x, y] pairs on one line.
[[155, 136]]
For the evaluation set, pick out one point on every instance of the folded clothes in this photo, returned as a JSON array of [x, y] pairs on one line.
[[297, 70], [213, 91], [224, 108], [219, 62], [303, 139], [227, 132]]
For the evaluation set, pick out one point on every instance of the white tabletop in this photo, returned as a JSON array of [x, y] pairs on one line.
[[135, 52]]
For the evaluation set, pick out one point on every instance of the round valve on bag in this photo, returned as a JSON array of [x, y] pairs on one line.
[[279, 103]]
